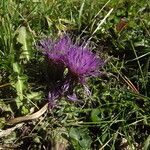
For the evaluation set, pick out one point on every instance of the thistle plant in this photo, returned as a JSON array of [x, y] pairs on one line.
[[79, 61]]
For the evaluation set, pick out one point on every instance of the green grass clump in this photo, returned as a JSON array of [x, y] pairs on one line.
[[116, 115]]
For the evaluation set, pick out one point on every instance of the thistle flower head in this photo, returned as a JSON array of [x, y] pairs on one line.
[[55, 51], [82, 63]]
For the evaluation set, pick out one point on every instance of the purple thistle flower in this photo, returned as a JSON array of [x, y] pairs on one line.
[[55, 51], [82, 63]]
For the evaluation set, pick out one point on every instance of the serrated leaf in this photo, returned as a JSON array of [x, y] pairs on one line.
[[24, 110], [16, 68], [23, 38], [34, 95], [20, 86], [94, 115], [19, 103]]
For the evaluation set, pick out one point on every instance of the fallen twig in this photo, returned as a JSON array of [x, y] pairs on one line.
[[29, 117]]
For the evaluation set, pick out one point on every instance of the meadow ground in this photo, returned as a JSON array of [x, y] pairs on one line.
[[116, 115]]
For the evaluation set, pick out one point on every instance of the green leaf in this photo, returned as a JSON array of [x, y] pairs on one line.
[[19, 103], [86, 141], [74, 134], [80, 138], [147, 143], [20, 86], [94, 115], [34, 95], [16, 68], [24, 110], [23, 38]]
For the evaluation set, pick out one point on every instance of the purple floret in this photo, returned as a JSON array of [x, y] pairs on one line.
[[45, 45]]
